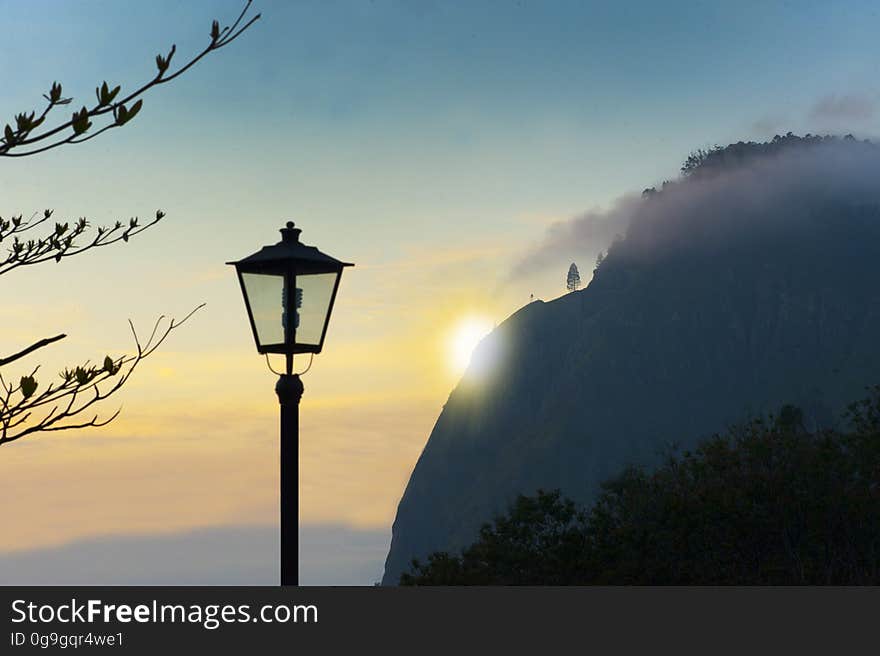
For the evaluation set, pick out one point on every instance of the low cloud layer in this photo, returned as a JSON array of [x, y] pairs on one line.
[[584, 236], [230, 555], [769, 192]]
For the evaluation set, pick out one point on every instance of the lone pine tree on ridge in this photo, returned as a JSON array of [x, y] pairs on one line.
[[573, 280]]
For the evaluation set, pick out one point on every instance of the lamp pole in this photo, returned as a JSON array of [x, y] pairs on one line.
[[305, 281], [289, 389]]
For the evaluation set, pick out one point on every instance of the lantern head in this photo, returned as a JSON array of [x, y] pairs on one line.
[[289, 289]]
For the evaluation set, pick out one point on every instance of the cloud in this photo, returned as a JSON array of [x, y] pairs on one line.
[[585, 235], [846, 108], [769, 193], [230, 555]]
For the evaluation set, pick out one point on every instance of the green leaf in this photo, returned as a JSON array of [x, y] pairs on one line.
[[109, 366], [80, 121], [24, 122], [105, 96], [134, 109], [82, 376], [124, 115], [28, 386]]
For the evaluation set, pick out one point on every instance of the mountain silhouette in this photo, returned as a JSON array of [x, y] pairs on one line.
[[750, 282]]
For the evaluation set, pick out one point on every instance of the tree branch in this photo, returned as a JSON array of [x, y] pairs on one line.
[[24, 135], [30, 349], [58, 403], [61, 242]]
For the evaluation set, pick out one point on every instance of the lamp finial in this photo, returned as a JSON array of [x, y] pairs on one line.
[[290, 233]]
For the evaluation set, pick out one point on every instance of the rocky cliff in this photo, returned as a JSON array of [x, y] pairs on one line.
[[742, 286]]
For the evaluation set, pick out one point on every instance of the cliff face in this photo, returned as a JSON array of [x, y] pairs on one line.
[[680, 333]]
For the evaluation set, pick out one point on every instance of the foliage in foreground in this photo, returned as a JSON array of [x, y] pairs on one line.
[[769, 503], [28, 405]]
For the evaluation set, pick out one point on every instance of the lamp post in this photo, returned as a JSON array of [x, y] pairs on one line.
[[289, 289]]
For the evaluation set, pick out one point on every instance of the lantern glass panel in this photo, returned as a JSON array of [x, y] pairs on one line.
[[314, 293], [264, 295]]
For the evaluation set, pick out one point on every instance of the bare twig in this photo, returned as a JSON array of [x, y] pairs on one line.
[[30, 349], [58, 403], [62, 242]]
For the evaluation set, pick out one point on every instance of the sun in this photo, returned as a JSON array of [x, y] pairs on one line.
[[463, 339]]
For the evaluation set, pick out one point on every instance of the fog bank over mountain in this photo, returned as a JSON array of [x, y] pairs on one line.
[[744, 190]]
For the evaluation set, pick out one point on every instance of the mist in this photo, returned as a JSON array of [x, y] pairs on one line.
[[751, 196]]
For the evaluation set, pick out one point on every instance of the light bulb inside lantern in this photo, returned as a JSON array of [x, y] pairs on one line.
[[297, 304]]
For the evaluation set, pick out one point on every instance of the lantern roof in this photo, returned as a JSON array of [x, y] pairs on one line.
[[290, 252]]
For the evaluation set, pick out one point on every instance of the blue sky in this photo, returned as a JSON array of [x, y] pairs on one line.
[[432, 143]]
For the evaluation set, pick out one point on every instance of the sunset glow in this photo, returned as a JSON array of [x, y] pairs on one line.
[[464, 338]]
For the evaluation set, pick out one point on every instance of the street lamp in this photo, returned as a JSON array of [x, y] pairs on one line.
[[288, 290]]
